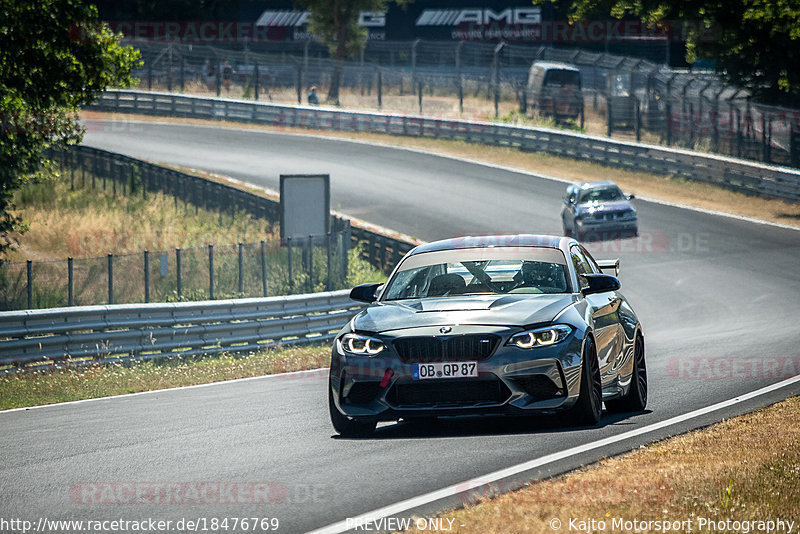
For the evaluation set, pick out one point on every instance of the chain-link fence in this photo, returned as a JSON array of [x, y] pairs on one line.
[[622, 96], [266, 267], [260, 269]]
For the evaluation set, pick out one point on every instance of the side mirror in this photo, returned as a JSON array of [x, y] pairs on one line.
[[365, 292], [600, 283], [609, 265], [631, 197]]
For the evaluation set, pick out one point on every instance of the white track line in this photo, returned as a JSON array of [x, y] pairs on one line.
[[292, 374], [415, 502]]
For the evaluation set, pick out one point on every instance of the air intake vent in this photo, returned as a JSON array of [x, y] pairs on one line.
[[470, 347], [448, 393], [539, 387]]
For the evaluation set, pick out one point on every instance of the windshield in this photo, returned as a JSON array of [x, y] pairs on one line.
[[562, 77], [601, 194], [512, 270]]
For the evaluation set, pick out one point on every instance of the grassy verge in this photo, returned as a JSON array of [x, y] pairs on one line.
[[743, 469], [85, 221], [650, 186], [51, 386], [80, 217]]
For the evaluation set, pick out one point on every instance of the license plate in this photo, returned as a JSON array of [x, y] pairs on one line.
[[424, 371]]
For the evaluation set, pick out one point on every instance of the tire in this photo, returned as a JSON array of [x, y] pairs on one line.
[[348, 426], [589, 408], [636, 398]]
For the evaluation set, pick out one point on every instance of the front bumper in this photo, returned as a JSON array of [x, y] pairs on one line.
[[586, 226], [510, 381]]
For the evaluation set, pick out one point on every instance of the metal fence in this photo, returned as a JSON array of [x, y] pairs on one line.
[[624, 96], [207, 271], [237, 270], [736, 174], [106, 334]]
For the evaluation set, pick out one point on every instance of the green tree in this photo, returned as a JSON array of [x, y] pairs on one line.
[[754, 44], [336, 24], [54, 58]]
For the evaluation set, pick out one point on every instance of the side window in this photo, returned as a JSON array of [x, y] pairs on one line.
[[570, 195], [590, 260], [581, 264]]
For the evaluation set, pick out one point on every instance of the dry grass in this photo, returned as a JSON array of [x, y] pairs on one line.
[[87, 222], [47, 387], [648, 186], [746, 468]]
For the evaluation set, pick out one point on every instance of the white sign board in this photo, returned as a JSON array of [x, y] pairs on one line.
[[305, 205]]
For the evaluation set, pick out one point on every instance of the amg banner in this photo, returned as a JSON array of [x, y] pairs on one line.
[[430, 20]]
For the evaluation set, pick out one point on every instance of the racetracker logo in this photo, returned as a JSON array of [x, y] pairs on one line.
[[732, 368], [178, 493]]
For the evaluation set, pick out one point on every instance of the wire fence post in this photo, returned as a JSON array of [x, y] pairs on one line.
[[329, 281], [70, 284], [178, 273], [147, 276], [340, 250], [380, 88], [183, 74], [497, 50], [263, 268], [346, 251], [256, 76], [29, 274], [241, 271], [111, 279], [310, 263], [289, 262], [299, 84], [460, 78], [211, 271]]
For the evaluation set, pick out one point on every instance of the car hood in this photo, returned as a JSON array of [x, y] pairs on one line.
[[490, 310], [616, 205]]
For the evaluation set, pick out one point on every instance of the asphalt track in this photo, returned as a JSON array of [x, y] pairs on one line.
[[718, 298]]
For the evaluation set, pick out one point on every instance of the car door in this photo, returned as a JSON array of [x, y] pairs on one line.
[[604, 308]]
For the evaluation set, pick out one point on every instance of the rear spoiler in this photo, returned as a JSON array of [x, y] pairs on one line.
[[608, 265]]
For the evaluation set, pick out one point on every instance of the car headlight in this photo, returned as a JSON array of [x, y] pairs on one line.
[[540, 337], [362, 345]]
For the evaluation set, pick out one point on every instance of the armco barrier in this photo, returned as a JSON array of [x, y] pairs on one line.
[[741, 175], [145, 331]]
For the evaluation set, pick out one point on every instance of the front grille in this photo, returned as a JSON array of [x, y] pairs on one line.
[[468, 347], [363, 392], [448, 393], [540, 387]]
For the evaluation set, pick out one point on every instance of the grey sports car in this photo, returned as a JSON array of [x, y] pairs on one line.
[[598, 211], [515, 325]]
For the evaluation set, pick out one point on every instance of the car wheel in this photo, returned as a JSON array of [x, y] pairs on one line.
[[348, 426], [589, 407], [636, 398]]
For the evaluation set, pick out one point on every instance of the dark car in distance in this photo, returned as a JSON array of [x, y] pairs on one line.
[[598, 210], [514, 325]]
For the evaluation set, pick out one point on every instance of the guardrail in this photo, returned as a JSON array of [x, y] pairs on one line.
[[105, 334], [740, 175]]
